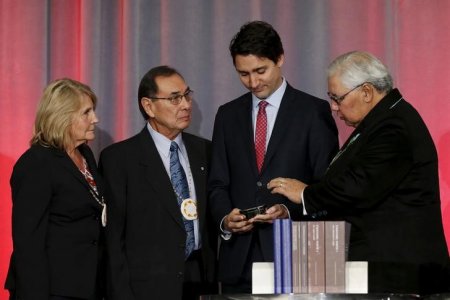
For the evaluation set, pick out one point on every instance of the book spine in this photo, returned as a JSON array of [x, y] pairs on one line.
[[296, 257], [286, 234], [335, 256], [316, 257], [277, 256], [304, 257]]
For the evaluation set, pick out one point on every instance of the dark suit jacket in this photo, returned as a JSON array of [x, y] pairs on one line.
[[303, 141], [386, 185], [57, 235], [146, 236]]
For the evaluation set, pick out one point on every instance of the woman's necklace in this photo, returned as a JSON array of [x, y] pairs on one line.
[[93, 189]]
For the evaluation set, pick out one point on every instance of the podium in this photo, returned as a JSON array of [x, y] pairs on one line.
[[326, 297]]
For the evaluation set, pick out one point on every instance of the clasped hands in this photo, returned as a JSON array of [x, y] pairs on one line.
[[235, 222]]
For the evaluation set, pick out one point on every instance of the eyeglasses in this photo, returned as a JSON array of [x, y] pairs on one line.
[[176, 99], [339, 99]]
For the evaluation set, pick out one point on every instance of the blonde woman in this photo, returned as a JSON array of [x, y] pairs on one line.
[[58, 211]]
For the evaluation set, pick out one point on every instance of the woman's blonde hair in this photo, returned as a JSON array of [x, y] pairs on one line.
[[61, 99]]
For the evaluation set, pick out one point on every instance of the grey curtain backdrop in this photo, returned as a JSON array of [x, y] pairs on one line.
[[111, 44], [193, 36]]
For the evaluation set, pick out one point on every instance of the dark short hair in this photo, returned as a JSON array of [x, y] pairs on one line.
[[149, 88], [257, 38]]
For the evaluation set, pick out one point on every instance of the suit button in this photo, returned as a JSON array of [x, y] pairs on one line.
[[259, 184], [94, 242], [180, 275], [95, 217]]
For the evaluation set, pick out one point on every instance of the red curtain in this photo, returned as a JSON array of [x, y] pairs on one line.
[[111, 44]]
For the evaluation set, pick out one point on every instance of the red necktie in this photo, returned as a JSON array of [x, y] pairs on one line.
[[261, 134]]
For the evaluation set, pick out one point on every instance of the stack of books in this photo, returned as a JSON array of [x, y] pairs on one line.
[[310, 256]]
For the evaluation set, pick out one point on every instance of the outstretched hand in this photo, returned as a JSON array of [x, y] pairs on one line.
[[290, 188]]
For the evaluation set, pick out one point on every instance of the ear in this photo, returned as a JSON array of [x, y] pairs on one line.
[[368, 91], [148, 106], [280, 61]]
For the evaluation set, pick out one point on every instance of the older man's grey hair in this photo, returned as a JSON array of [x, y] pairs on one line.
[[356, 67]]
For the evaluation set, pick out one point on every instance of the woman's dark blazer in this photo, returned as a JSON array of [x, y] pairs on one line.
[[56, 228]]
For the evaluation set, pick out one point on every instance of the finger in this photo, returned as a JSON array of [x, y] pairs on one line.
[[236, 215], [235, 218], [245, 228], [279, 190], [274, 182], [238, 225], [260, 217], [277, 211], [272, 209], [235, 212]]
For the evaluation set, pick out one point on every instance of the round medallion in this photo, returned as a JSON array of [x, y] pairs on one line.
[[189, 209]]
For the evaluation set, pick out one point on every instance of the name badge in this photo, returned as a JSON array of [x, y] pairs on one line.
[[189, 209]]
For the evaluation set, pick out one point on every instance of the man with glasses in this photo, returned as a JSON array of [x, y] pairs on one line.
[[273, 130], [158, 234], [384, 181]]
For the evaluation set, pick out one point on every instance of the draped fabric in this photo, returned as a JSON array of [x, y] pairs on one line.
[[110, 44]]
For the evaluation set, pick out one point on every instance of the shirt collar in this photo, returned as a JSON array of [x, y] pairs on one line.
[[274, 99], [163, 143]]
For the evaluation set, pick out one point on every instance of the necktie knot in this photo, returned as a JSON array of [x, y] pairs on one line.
[[262, 104], [173, 147]]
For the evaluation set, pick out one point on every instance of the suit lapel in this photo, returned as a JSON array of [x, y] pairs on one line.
[[282, 121], [71, 168], [68, 164], [246, 127], [157, 177], [92, 165]]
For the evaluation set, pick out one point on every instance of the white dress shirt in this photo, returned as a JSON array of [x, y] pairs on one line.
[[274, 102], [163, 146]]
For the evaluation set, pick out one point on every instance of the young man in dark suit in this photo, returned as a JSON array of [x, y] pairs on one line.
[[272, 130], [159, 243], [384, 181]]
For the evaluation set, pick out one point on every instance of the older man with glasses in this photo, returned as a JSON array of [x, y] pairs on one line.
[[384, 181], [158, 236]]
